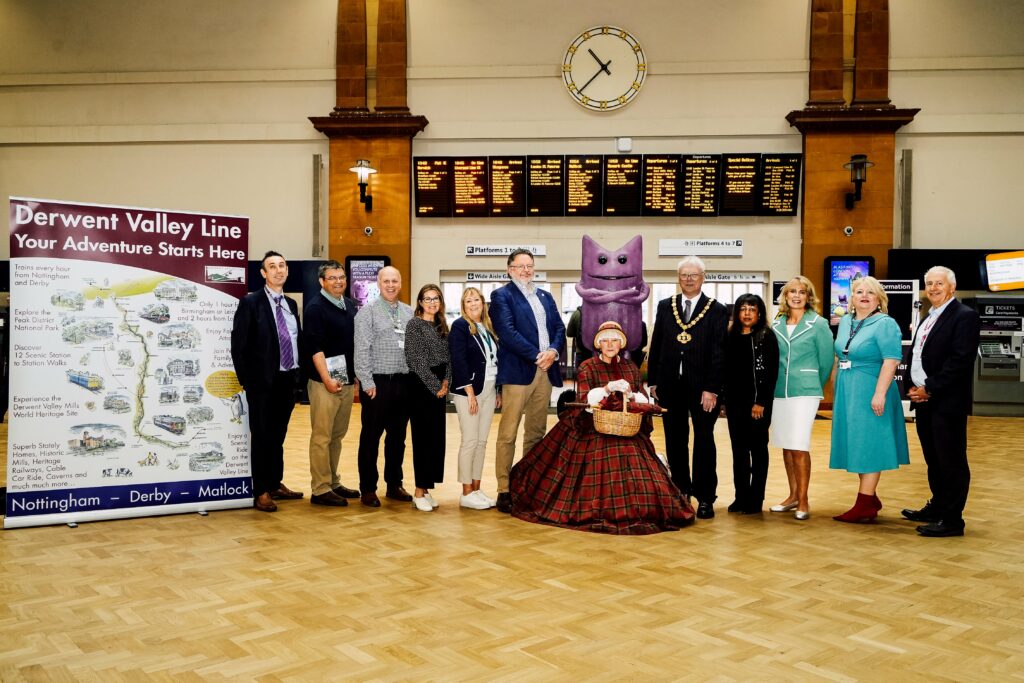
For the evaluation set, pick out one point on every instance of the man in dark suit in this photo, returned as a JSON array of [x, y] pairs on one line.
[[942, 369], [530, 333], [685, 371], [265, 342]]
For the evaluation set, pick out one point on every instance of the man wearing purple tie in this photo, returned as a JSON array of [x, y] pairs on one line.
[[265, 342]]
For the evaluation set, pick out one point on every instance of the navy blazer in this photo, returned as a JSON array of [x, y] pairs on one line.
[[468, 359], [948, 359], [254, 346], [516, 327]]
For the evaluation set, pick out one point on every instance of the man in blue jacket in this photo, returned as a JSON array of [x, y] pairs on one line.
[[530, 332]]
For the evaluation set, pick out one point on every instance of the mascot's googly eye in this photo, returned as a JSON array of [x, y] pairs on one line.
[[622, 258], [602, 259]]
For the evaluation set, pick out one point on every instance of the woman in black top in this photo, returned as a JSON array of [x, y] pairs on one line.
[[426, 353], [752, 367]]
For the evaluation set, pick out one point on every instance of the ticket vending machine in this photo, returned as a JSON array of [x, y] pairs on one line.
[[999, 374]]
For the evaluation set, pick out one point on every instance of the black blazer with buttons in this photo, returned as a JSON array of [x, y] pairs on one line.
[[254, 346], [948, 359], [702, 360]]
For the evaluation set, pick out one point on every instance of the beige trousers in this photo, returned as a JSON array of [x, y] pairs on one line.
[[328, 420], [475, 430], [517, 400]]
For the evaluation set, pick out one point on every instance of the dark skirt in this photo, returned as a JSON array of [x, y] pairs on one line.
[[579, 479]]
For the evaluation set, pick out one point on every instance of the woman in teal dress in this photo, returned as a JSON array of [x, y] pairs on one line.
[[868, 432]]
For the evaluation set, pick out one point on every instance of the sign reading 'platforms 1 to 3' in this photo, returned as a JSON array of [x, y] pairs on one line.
[[702, 185]]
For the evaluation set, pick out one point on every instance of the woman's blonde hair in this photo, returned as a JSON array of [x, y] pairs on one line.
[[484, 318], [812, 296], [873, 286]]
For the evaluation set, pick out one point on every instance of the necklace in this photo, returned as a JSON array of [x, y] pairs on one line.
[[684, 337]]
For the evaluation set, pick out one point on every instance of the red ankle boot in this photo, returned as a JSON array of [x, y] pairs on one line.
[[876, 502], [862, 512]]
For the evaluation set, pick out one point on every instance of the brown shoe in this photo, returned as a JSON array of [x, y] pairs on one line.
[[264, 503], [345, 492], [398, 493], [285, 493], [370, 499], [328, 498]]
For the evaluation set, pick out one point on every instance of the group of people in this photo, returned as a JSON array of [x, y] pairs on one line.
[[701, 364]]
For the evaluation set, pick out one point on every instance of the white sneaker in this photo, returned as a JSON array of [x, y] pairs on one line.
[[473, 502], [483, 496], [430, 499], [422, 504]]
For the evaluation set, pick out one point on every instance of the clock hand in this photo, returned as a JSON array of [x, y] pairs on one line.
[[604, 65], [590, 81]]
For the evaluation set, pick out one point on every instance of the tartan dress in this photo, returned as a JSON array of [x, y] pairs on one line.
[[579, 479]]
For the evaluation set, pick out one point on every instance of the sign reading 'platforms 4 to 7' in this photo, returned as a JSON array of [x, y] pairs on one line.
[[124, 400]]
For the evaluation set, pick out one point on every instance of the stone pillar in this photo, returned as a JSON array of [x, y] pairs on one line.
[[871, 51], [392, 60], [350, 56], [825, 82]]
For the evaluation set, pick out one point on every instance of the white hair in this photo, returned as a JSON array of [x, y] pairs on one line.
[[691, 261], [950, 275]]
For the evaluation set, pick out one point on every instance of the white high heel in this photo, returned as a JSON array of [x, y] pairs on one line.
[[784, 507]]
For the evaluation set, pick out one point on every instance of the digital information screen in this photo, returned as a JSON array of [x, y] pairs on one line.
[[740, 187], [433, 187], [661, 185], [508, 186], [584, 181], [469, 180], [545, 186], [700, 186], [622, 185], [780, 184]]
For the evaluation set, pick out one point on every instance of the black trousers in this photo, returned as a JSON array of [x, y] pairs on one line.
[[749, 438], [427, 420], [944, 444], [387, 412], [682, 407], [269, 412]]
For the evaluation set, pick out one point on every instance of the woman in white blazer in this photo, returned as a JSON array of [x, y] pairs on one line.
[[805, 363]]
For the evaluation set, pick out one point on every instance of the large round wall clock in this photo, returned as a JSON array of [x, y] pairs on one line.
[[604, 68]]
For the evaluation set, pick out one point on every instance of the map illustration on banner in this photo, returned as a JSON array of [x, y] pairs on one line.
[[124, 399]]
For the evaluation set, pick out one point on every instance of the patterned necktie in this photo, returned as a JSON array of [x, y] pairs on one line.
[[686, 311], [284, 337]]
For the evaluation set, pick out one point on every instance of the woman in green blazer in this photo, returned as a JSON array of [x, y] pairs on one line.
[[805, 363]]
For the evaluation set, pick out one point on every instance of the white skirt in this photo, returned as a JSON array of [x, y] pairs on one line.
[[792, 421]]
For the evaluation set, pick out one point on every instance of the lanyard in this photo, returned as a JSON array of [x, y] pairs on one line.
[[854, 331]]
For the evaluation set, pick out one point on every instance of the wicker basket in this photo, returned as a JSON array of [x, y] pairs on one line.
[[617, 423]]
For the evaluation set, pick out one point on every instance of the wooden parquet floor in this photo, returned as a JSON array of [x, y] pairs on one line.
[[391, 594]]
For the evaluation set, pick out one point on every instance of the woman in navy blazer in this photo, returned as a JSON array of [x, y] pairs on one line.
[[805, 363], [474, 347]]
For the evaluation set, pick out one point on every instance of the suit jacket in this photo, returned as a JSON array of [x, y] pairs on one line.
[[696, 366], [254, 346], [516, 327], [805, 358], [948, 359], [468, 362]]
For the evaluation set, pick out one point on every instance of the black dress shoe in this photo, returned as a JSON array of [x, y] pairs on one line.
[[705, 511], [926, 514], [328, 498], [398, 493], [285, 493], [751, 510], [345, 492], [370, 499], [735, 506], [504, 502], [941, 529]]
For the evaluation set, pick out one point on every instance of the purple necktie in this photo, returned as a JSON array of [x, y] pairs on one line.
[[284, 337]]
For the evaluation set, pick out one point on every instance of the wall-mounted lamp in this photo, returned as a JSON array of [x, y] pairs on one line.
[[858, 167], [363, 170]]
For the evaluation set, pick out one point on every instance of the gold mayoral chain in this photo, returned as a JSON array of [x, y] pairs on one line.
[[684, 337]]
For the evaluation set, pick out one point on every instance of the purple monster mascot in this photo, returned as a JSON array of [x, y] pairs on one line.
[[612, 287]]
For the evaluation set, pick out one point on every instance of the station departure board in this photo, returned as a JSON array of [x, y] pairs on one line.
[[661, 185], [508, 186], [591, 185], [741, 187], [623, 189], [584, 182], [545, 186], [469, 187], [433, 187]]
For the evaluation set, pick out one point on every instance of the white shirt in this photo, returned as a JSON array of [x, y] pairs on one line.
[[917, 373]]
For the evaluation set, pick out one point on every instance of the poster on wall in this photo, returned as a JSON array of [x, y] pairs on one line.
[[840, 272], [124, 400], [362, 277]]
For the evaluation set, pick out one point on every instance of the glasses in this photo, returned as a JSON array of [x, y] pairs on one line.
[[522, 268], [335, 278], [431, 300], [748, 309], [690, 276]]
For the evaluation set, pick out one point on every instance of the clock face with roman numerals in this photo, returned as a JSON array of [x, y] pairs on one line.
[[604, 68]]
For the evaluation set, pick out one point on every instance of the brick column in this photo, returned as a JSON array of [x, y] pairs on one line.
[[392, 60], [825, 80], [871, 46], [350, 56]]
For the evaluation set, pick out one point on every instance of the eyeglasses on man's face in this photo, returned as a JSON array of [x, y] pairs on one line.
[[522, 267], [690, 276], [335, 278]]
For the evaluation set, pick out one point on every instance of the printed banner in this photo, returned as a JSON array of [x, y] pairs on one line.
[[124, 400]]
